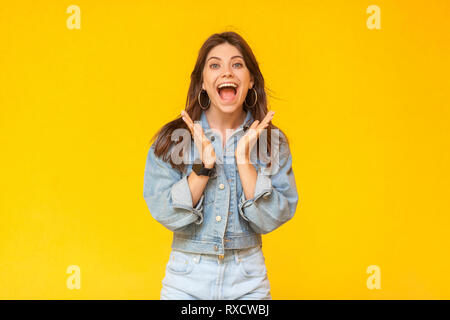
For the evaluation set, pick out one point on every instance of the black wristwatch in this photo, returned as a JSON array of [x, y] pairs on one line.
[[200, 170]]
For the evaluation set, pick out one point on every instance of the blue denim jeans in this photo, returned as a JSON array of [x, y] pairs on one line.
[[241, 274]]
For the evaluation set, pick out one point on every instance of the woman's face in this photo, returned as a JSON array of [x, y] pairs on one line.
[[225, 64]]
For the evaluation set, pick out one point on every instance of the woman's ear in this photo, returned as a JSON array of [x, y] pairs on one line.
[[252, 82]]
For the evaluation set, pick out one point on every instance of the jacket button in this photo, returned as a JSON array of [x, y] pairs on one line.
[[221, 186], [218, 218], [230, 212], [213, 138], [215, 248]]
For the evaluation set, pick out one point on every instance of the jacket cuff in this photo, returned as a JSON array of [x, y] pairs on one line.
[[263, 188], [182, 198]]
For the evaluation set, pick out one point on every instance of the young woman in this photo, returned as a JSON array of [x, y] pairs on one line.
[[219, 201]]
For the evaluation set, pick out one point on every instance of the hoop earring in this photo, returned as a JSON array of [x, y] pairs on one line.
[[200, 102], [254, 103]]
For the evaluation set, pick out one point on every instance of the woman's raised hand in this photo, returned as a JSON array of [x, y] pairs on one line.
[[204, 146], [247, 142]]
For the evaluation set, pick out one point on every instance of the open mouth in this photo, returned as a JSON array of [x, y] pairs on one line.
[[227, 91]]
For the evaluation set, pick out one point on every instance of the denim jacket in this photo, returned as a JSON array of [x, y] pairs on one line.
[[223, 218]]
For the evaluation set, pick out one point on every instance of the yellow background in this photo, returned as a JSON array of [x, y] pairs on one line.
[[366, 111]]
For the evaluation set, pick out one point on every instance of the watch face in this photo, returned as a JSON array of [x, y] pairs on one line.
[[200, 170], [197, 167]]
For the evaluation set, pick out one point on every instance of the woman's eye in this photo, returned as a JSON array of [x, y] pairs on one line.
[[212, 65], [238, 63]]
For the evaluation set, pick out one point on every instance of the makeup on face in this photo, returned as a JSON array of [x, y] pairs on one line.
[[226, 76]]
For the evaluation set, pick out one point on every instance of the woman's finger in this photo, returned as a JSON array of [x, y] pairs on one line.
[[266, 120], [186, 121], [254, 124], [186, 116], [191, 129], [193, 125], [200, 135], [195, 128], [198, 130]]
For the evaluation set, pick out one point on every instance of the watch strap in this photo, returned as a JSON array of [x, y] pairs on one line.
[[200, 170]]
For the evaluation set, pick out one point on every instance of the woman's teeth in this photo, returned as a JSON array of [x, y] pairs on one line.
[[227, 84]]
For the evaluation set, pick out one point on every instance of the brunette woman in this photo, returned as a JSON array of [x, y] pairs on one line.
[[207, 179]]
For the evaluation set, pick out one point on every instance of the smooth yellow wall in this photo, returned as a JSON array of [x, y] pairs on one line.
[[366, 111]]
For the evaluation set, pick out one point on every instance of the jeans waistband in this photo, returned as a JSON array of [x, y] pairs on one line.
[[230, 255]]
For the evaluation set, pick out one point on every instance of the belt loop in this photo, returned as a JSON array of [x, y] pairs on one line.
[[236, 256], [197, 258]]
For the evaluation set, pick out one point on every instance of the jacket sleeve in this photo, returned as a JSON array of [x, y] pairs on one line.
[[167, 194], [275, 198]]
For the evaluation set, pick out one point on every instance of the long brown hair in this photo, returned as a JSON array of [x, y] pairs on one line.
[[163, 136]]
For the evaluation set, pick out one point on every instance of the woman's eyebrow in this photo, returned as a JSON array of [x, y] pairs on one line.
[[221, 59]]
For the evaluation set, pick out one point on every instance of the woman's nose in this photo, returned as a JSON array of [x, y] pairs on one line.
[[227, 75], [227, 72]]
